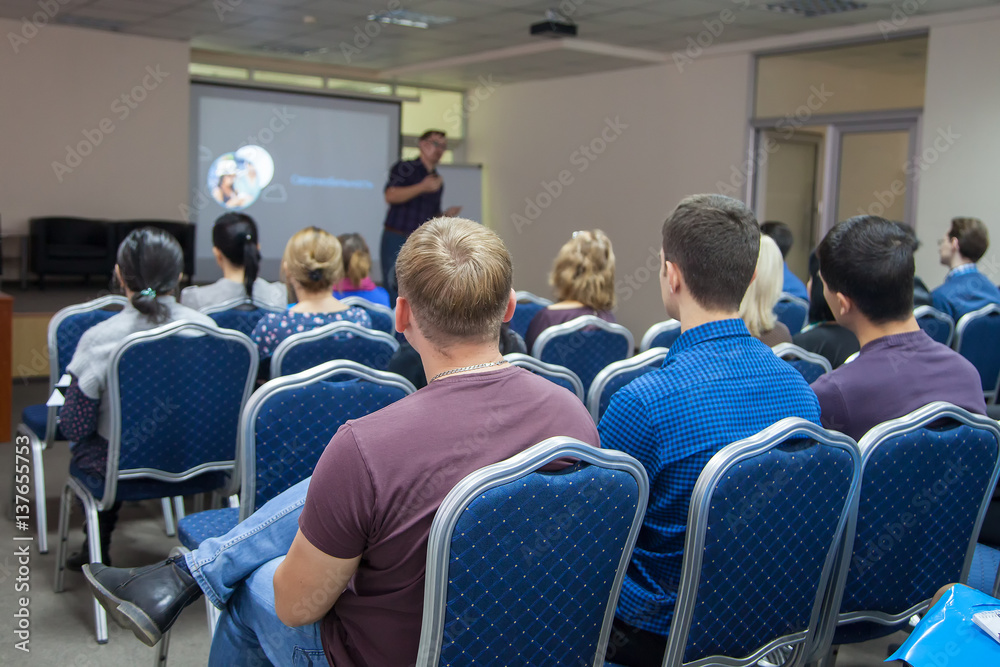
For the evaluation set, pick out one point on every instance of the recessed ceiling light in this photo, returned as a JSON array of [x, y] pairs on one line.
[[812, 8], [308, 19], [409, 19]]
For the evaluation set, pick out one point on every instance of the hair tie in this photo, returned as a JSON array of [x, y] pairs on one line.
[[315, 275], [149, 291], [249, 238]]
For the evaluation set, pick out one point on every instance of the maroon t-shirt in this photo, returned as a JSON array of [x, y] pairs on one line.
[[381, 479]]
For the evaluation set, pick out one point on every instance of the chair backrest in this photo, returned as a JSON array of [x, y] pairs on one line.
[[935, 324], [618, 374], [175, 395], [561, 375], [527, 307], [766, 527], [383, 319], [584, 345], [792, 311], [809, 364], [661, 334], [64, 332], [338, 340], [926, 481], [290, 420], [524, 567], [976, 336], [240, 314]]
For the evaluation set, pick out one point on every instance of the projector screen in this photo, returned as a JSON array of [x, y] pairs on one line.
[[289, 160]]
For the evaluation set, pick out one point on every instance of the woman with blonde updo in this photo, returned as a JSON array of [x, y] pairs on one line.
[[357, 265], [583, 276], [757, 308], [312, 263]]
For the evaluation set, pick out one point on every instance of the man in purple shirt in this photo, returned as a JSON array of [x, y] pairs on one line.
[[413, 193], [364, 517], [866, 264]]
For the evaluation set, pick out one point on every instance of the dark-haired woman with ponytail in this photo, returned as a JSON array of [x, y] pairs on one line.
[[237, 251], [357, 266], [149, 266]]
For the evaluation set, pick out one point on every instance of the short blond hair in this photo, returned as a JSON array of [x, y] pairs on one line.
[[757, 307], [313, 258], [584, 270], [457, 275]]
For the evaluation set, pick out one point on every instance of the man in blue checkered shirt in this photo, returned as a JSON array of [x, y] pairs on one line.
[[717, 385]]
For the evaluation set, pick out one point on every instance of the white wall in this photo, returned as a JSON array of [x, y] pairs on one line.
[[961, 175], [673, 134], [63, 87]]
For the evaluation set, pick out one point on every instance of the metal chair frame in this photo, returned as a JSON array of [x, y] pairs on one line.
[[697, 529], [578, 325], [962, 325], [655, 330], [39, 442], [236, 303], [929, 311], [498, 474], [645, 358], [791, 298], [365, 304], [782, 350], [327, 330], [528, 362], [528, 297]]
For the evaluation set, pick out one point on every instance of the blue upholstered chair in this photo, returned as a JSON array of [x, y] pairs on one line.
[[792, 311], [809, 364], [584, 345], [561, 375], [527, 307], [927, 479], [661, 334], [284, 428], [38, 422], [240, 314], [935, 324], [524, 567], [767, 526], [383, 319], [976, 336], [618, 374], [984, 574], [175, 395], [339, 340]]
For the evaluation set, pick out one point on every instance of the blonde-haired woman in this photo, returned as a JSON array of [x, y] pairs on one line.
[[757, 308], [312, 263], [357, 266], [583, 276]]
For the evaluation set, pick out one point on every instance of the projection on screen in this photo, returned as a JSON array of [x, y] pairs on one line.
[[289, 161]]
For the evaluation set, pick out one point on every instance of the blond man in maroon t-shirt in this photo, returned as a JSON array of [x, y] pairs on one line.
[[364, 517]]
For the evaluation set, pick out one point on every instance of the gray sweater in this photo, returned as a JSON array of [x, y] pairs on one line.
[[92, 359], [223, 289]]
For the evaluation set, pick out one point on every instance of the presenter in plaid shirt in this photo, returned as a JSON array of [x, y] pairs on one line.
[[717, 385], [413, 193]]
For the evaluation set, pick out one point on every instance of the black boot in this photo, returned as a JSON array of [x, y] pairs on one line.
[[107, 519], [146, 600]]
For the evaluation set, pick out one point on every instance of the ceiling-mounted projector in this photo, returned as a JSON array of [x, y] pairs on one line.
[[554, 25]]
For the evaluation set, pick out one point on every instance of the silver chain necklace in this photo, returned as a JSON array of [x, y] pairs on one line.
[[466, 368]]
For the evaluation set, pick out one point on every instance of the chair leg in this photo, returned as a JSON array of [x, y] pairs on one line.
[[161, 650], [94, 543], [168, 517], [65, 507], [41, 515], [179, 507]]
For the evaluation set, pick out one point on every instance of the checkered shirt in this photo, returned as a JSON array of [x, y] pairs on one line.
[[716, 386]]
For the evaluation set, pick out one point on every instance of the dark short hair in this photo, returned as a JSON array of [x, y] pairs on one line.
[[973, 238], [430, 133], [781, 233], [714, 240], [869, 260], [819, 309]]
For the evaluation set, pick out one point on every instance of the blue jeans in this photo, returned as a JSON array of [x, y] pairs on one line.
[[392, 243], [236, 573]]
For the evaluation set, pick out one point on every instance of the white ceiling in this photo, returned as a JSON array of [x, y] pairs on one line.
[[488, 37]]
